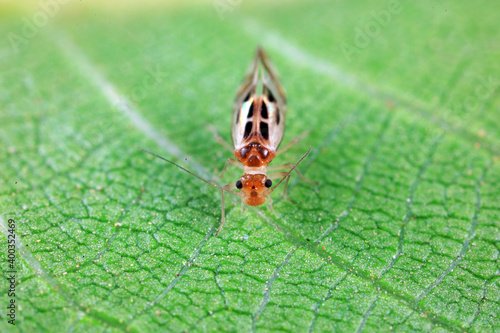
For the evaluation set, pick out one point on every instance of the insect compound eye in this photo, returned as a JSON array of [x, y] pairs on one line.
[[239, 184], [269, 183]]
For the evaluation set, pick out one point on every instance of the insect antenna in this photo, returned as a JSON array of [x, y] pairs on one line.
[[191, 173], [289, 172]]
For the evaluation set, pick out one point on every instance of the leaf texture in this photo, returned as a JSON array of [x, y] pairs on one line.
[[401, 233]]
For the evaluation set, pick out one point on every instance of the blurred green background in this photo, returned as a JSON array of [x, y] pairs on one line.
[[401, 233]]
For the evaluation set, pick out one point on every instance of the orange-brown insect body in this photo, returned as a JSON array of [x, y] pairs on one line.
[[258, 127], [254, 189], [254, 155]]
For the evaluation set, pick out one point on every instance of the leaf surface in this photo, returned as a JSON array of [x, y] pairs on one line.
[[401, 233]]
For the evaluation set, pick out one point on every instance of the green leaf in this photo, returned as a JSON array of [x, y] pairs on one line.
[[401, 233]]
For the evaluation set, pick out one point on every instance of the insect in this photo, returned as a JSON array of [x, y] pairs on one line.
[[258, 124]]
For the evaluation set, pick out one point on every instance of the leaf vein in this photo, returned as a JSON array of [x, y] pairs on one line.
[[466, 243], [269, 285], [409, 203], [367, 314]]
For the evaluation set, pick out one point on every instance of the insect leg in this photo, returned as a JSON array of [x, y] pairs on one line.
[[229, 188], [293, 142], [219, 139], [223, 217], [232, 161], [279, 175], [270, 204]]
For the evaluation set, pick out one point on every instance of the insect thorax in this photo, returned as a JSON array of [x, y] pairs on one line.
[[254, 155]]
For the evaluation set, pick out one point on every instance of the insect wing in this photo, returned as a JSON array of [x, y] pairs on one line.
[[260, 118], [242, 103]]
